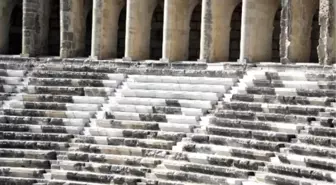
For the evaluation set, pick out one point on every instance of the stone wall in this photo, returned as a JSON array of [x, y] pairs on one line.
[[235, 33]]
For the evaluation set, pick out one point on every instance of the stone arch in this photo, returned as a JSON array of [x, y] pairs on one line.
[[195, 33], [276, 36], [88, 33], [15, 30], [235, 33], [156, 33], [54, 28], [121, 33], [315, 34]]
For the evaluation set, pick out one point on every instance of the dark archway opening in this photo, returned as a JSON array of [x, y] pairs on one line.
[[54, 28], [88, 33], [235, 33], [195, 33], [315, 35], [276, 37], [121, 33], [156, 34], [15, 31]]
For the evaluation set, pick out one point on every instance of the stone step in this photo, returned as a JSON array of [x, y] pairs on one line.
[[41, 128], [125, 124], [251, 134], [29, 120], [52, 106], [22, 65], [206, 169], [181, 80], [73, 91], [170, 94], [22, 172], [177, 87], [322, 131], [103, 168], [116, 159], [148, 117], [194, 177], [72, 82], [33, 145], [11, 80], [292, 76], [67, 182], [21, 181], [36, 136], [327, 122], [28, 153], [275, 99], [297, 171], [135, 133], [312, 150], [25, 163], [237, 142], [285, 91], [121, 150], [13, 73], [78, 75], [60, 98], [257, 125], [281, 179], [154, 109], [163, 102], [317, 140], [12, 88], [49, 113], [224, 150]]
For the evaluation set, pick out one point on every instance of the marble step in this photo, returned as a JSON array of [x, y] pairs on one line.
[[103, 168], [41, 128], [275, 99], [224, 150], [154, 109], [12, 65], [60, 98], [312, 150], [321, 131], [163, 102], [49, 113], [317, 140], [12, 88], [21, 181], [57, 137], [29, 120], [148, 117], [72, 91], [28, 153], [52, 106], [290, 128], [181, 80], [13, 73], [177, 87], [281, 179], [170, 94], [292, 76], [78, 75], [11, 80], [25, 163], [67, 182], [22, 172], [237, 142], [33, 145], [194, 177], [72, 82]]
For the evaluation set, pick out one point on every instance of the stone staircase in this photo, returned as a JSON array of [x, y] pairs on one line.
[[148, 123]]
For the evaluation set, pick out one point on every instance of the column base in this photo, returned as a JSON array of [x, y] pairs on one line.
[[164, 60], [127, 59]]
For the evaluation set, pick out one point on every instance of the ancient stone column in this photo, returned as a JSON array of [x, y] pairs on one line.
[[72, 28], [327, 43], [215, 29], [296, 25], [6, 7], [257, 29], [177, 15], [105, 28], [138, 25], [35, 27]]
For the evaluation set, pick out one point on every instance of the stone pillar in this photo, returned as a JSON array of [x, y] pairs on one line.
[[177, 15], [296, 25], [72, 28], [138, 26], [35, 27], [257, 29], [105, 28], [215, 29], [327, 43], [6, 7]]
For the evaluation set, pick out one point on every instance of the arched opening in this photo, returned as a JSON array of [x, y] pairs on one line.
[[235, 33], [315, 34], [195, 33], [54, 28], [121, 33], [88, 33], [156, 34], [276, 37], [15, 30]]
